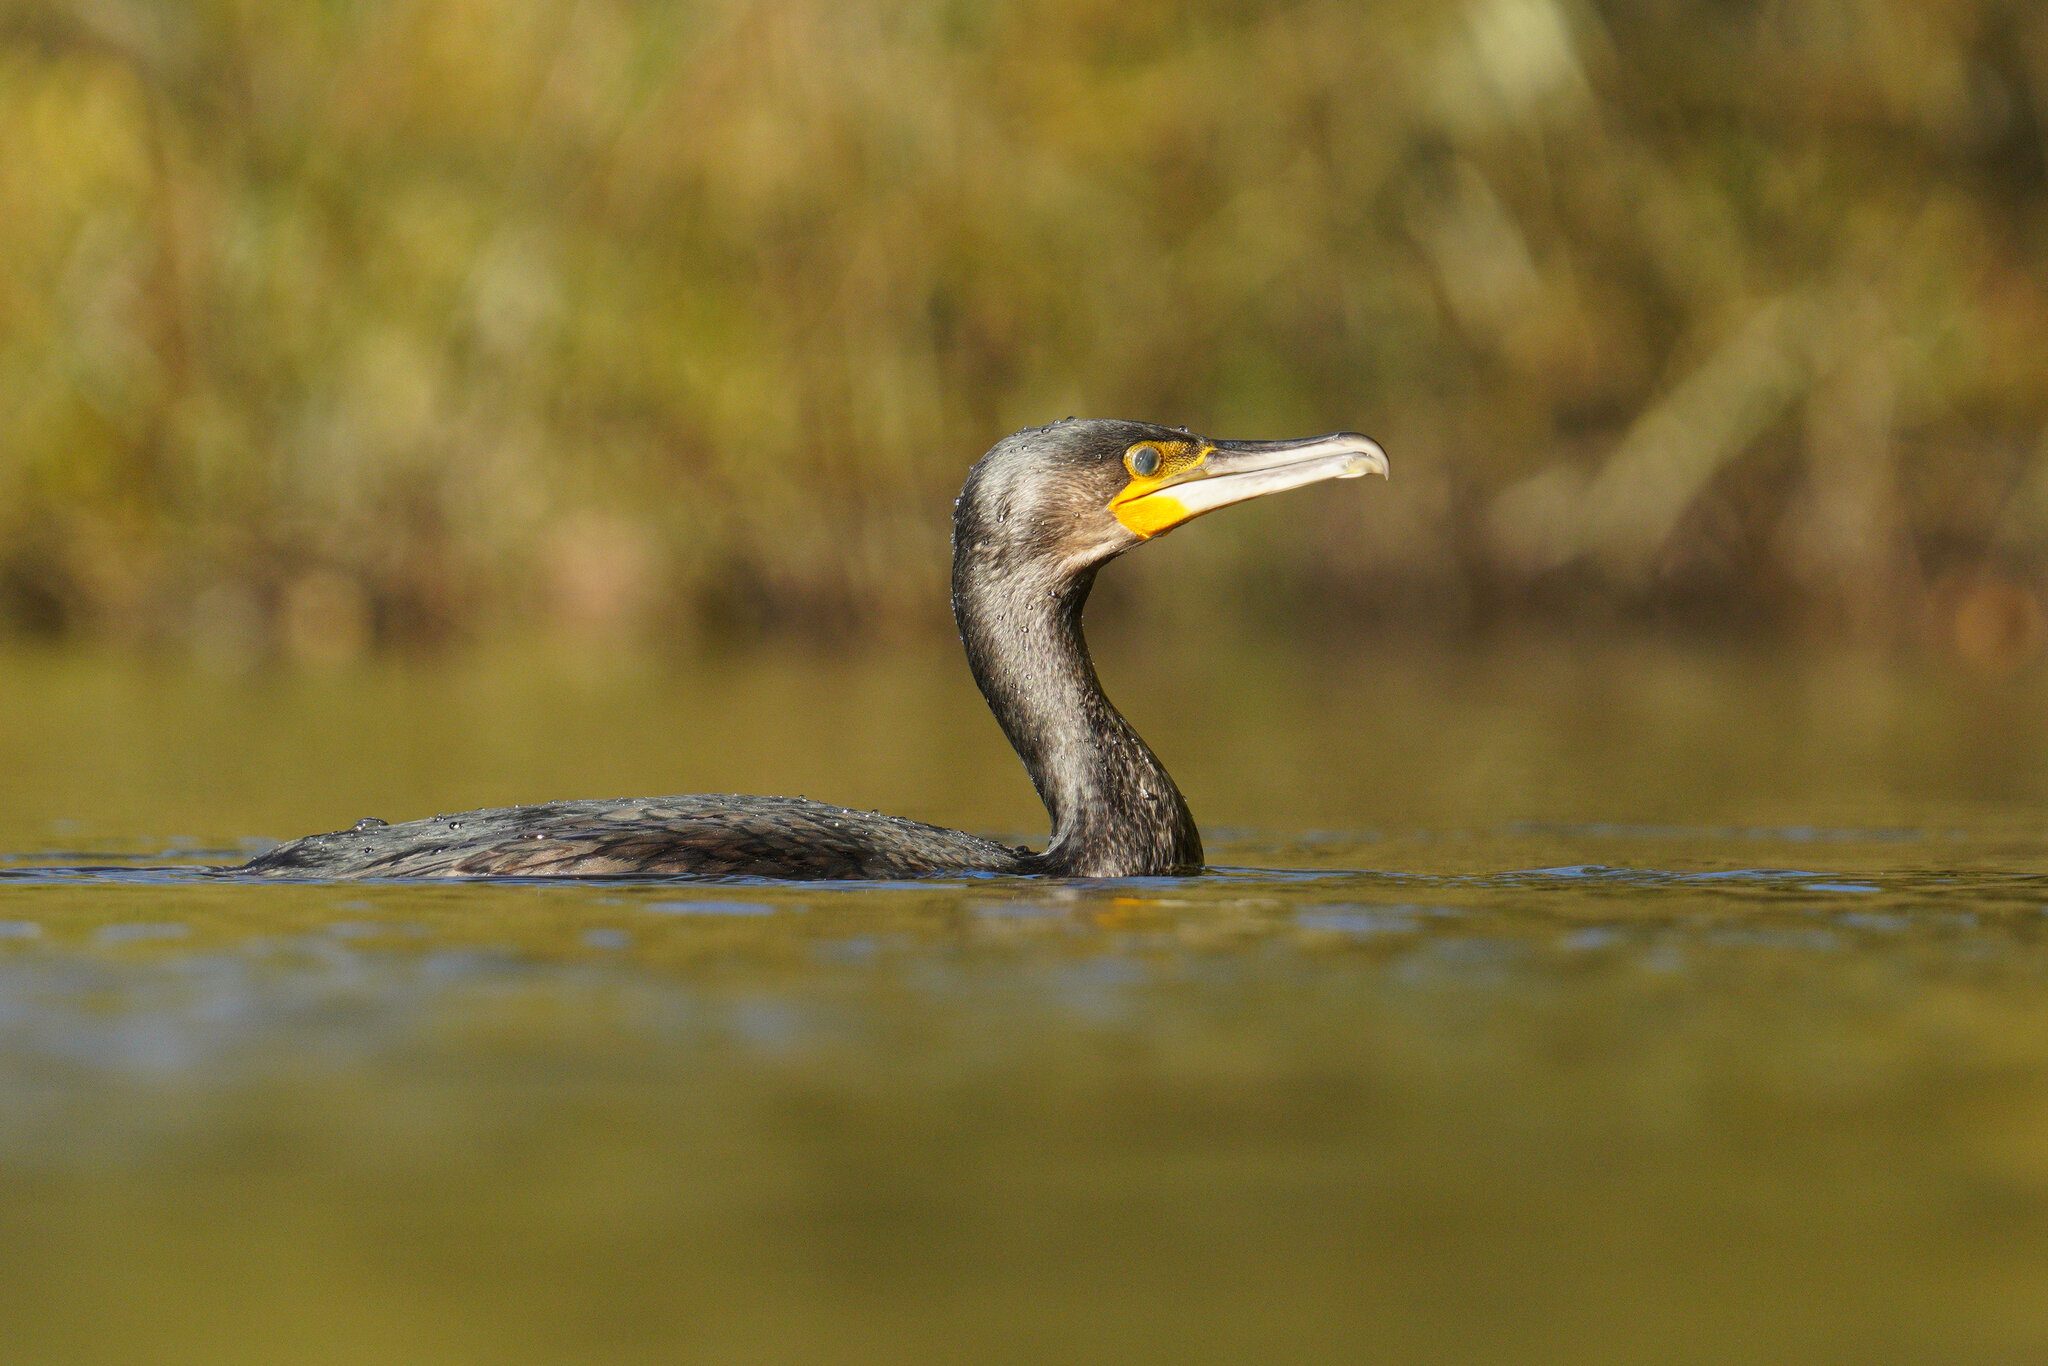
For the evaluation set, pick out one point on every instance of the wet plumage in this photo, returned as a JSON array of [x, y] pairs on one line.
[[1040, 514], [710, 835]]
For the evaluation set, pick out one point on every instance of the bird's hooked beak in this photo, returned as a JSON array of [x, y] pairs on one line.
[[1213, 475]]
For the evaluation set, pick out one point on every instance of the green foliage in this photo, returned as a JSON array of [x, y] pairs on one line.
[[328, 324]]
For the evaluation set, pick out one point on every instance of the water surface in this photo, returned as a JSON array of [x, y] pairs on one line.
[[1545, 1005]]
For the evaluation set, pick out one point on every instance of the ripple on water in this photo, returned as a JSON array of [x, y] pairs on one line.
[[1360, 922], [716, 908], [142, 932]]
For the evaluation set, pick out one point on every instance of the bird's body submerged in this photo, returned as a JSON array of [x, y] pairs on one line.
[[710, 835], [1040, 514]]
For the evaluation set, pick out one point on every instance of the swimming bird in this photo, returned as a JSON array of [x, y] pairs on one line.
[[1040, 514]]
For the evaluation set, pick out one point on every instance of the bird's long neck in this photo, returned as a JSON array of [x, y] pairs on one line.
[[1115, 812]]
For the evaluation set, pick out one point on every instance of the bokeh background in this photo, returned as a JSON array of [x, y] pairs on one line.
[[335, 328]]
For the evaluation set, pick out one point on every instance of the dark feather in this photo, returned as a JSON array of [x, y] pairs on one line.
[[710, 835]]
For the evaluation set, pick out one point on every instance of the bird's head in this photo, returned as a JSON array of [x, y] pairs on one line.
[[1074, 494]]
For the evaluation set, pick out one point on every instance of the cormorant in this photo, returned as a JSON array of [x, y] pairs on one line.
[[1040, 514]]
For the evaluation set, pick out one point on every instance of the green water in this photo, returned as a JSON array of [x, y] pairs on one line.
[[1610, 1005]]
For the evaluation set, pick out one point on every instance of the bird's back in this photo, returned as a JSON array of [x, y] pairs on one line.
[[708, 835]]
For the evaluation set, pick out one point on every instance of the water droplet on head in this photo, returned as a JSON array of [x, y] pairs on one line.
[[369, 823]]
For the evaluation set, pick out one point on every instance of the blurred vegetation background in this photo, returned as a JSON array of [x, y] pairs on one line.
[[338, 325]]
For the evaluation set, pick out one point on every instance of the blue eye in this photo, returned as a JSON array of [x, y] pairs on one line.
[[1144, 461]]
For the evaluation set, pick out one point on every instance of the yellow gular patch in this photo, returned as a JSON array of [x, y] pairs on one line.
[[1143, 505], [1149, 514]]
